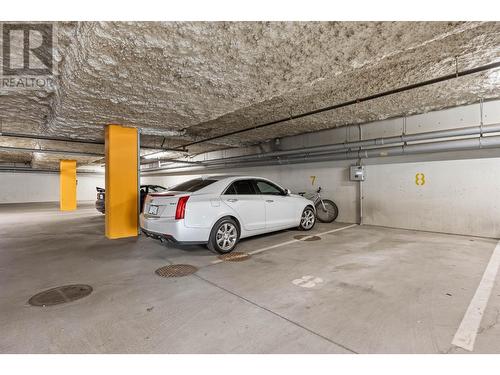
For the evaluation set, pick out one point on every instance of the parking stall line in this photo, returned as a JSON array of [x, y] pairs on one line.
[[262, 307], [466, 334], [292, 241]]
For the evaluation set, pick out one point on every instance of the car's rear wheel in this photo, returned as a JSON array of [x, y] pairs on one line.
[[308, 219], [224, 236]]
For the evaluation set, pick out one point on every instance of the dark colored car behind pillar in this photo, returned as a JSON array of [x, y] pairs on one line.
[[145, 190]]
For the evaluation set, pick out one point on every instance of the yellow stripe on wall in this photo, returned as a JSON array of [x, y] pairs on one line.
[[67, 185], [121, 181]]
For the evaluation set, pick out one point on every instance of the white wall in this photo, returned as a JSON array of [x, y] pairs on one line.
[[333, 180], [459, 196], [43, 187], [86, 186]]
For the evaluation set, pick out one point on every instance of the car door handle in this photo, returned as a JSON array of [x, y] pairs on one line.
[[269, 201], [232, 200]]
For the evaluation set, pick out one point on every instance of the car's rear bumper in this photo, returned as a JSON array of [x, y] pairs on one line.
[[167, 238], [173, 231]]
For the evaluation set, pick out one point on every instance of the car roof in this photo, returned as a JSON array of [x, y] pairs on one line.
[[231, 176], [222, 181]]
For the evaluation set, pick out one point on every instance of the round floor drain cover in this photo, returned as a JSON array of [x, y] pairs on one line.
[[176, 270], [235, 256], [60, 294], [306, 237]]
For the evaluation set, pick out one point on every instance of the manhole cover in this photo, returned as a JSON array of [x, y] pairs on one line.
[[235, 256], [306, 237], [60, 294], [176, 270]]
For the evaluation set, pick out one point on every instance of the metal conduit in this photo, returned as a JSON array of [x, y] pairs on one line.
[[474, 130], [73, 140], [172, 160], [50, 151], [347, 146], [34, 170], [441, 146]]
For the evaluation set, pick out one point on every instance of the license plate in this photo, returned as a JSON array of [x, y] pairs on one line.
[[153, 210]]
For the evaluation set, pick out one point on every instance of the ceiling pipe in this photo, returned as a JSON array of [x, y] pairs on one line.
[[74, 140], [14, 164], [460, 132], [50, 138], [353, 102], [38, 170], [405, 149], [374, 142], [151, 161], [51, 151]]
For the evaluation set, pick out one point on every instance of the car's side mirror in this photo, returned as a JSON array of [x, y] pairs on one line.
[[287, 192]]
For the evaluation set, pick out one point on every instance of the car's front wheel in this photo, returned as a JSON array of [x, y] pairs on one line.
[[224, 236], [308, 219]]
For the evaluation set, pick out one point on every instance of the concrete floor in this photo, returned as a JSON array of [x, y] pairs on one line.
[[371, 290]]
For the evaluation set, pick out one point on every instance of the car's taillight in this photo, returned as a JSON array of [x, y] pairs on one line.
[[181, 208]]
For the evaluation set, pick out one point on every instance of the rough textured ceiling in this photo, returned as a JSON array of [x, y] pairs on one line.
[[188, 81]]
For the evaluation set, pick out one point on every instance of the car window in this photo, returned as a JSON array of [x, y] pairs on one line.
[[242, 187], [267, 188], [192, 185], [230, 190]]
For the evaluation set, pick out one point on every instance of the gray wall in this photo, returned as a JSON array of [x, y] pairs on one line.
[[43, 187], [334, 181], [460, 194]]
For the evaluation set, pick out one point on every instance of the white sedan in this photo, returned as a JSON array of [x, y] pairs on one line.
[[219, 210]]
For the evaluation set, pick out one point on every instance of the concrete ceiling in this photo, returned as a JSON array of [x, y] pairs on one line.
[[188, 81]]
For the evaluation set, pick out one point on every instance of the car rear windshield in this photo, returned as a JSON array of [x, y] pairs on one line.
[[156, 189], [192, 185]]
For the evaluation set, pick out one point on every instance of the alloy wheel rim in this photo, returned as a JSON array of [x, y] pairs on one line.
[[307, 220], [226, 236]]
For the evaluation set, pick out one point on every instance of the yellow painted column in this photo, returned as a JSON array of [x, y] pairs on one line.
[[121, 149], [67, 185]]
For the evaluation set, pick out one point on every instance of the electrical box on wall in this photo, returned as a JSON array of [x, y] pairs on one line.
[[357, 173]]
